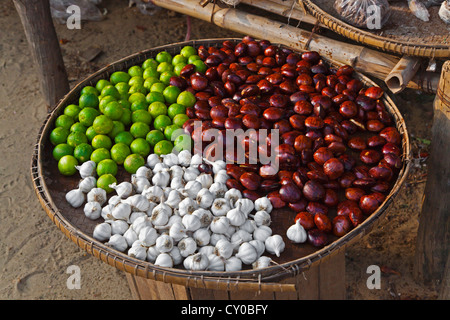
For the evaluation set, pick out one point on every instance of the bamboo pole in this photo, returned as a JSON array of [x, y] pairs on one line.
[[364, 60], [402, 73]]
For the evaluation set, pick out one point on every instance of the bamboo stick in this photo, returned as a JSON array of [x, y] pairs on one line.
[[364, 60], [402, 73]]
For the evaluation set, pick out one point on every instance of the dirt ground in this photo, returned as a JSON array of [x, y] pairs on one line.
[[34, 253]]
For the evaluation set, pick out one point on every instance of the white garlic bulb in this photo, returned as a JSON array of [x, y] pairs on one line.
[[171, 159], [137, 250], [141, 222], [130, 236], [177, 231], [87, 184], [220, 207], [249, 226], [196, 262], [192, 188], [233, 264], [87, 169], [236, 216], [121, 211], [176, 255], [118, 242], [204, 215], [187, 206], [187, 246], [202, 237], [153, 193], [217, 165], [152, 160], [138, 202], [148, 236], [261, 262], [263, 204], [191, 174], [196, 159], [221, 176], [159, 167], [119, 227], [191, 222], [246, 205], [144, 172], [215, 237], [184, 158], [275, 244], [134, 215], [262, 233], [262, 218], [75, 198], [239, 237], [219, 225], [224, 248], [296, 233], [208, 249], [161, 214], [218, 189], [123, 189], [232, 196], [204, 198], [205, 179], [247, 253], [164, 243], [161, 179], [174, 198], [139, 183], [216, 263], [97, 195], [177, 183], [259, 246], [164, 260], [114, 200], [152, 254], [102, 231]]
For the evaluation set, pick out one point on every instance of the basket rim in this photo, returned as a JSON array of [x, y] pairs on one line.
[[181, 276], [423, 50]]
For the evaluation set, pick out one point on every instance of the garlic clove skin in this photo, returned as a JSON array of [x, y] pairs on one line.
[[246, 205], [220, 207], [191, 222], [192, 188], [184, 158], [196, 262], [170, 159], [219, 225], [274, 244], [232, 195], [164, 243], [139, 183], [118, 242], [153, 193], [208, 249], [97, 195], [152, 254], [121, 211], [191, 174], [144, 172], [233, 264], [75, 198], [87, 169], [205, 179], [262, 233], [119, 227], [204, 198], [239, 237], [164, 260], [152, 160], [259, 246], [247, 253], [148, 236], [187, 246], [130, 236], [177, 231], [161, 179], [221, 176], [187, 206], [218, 189], [216, 263], [176, 256], [87, 184], [261, 262], [205, 217], [263, 204], [296, 233], [262, 218], [102, 231], [236, 216], [123, 189], [224, 248], [196, 159], [202, 237], [215, 237]]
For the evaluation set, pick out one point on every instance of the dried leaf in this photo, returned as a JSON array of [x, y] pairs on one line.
[[386, 269]]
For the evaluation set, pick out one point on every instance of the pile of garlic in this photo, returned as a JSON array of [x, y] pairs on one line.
[[172, 214]]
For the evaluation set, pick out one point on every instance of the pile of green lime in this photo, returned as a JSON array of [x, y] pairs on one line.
[[121, 120]]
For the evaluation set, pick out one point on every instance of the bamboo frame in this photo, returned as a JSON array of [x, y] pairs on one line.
[[269, 279], [402, 73], [364, 60]]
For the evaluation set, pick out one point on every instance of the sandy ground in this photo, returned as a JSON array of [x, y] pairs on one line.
[[34, 253]]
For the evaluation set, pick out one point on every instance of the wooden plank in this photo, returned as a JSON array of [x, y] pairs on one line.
[[433, 239], [43, 42], [332, 277]]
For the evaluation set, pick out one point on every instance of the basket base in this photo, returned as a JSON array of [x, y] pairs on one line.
[[324, 281]]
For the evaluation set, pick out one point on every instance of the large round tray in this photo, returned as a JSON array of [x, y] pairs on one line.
[[51, 187], [420, 43]]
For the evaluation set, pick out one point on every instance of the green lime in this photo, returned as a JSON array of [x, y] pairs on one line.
[[149, 63], [139, 129], [150, 80], [137, 89], [119, 76], [150, 73], [90, 133], [165, 77], [179, 58], [136, 81], [78, 127], [141, 116], [64, 121], [104, 101], [163, 56], [158, 87], [67, 164], [61, 150], [122, 87], [183, 142], [161, 122], [101, 84], [88, 100], [113, 110], [154, 136], [105, 181], [164, 67], [76, 138], [133, 162], [200, 66], [118, 127], [171, 94], [119, 152], [193, 58], [157, 108], [135, 71], [124, 137], [100, 154], [101, 141], [163, 147], [140, 146], [188, 51], [178, 67], [106, 166], [89, 89], [83, 152], [72, 110], [139, 105], [155, 96], [126, 117], [125, 103], [103, 124], [59, 135], [137, 96], [180, 119], [87, 116], [110, 90], [171, 132], [186, 98]]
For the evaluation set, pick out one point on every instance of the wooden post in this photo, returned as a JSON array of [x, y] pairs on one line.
[[41, 35], [434, 224]]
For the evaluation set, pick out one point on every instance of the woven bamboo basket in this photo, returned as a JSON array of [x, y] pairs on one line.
[[427, 47], [51, 187]]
